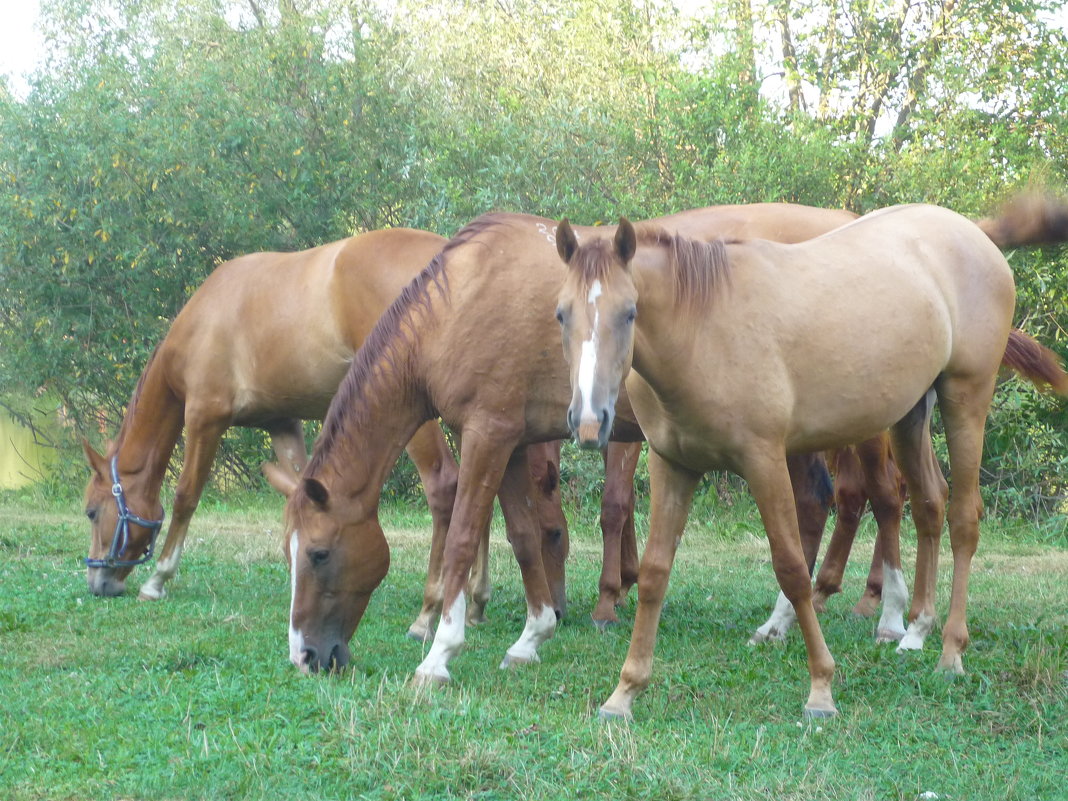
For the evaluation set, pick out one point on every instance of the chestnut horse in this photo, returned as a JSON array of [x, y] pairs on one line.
[[737, 363], [304, 315], [470, 340]]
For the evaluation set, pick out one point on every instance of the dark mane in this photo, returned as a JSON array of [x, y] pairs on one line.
[[383, 353], [698, 268]]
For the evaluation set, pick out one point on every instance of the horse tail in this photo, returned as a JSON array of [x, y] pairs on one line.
[[1032, 218], [1035, 362]]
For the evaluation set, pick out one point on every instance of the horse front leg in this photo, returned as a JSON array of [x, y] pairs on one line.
[[516, 495], [287, 440], [202, 442], [619, 563], [484, 455], [671, 494], [768, 477], [433, 459]]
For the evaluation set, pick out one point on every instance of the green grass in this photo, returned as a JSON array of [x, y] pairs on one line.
[[194, 697]]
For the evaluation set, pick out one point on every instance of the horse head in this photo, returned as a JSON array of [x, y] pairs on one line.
[[121, 539], [596, 311], [337, 556]]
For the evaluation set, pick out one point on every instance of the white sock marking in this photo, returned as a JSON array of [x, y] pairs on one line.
[[164, 572], [895, 599], [917, 633], [540, 627], [296, 638], [448, 640], [782, 618]]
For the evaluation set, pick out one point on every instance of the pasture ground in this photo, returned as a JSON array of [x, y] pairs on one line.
[[194, 698]]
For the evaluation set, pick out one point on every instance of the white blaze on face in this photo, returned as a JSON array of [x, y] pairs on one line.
[[296, 639], [588, 361]]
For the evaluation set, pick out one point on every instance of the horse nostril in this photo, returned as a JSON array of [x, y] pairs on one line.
[[311, 658], [571, 419]]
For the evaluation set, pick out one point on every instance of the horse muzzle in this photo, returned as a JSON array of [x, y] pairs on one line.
[[331, 657], [103, 582], [590, 433]]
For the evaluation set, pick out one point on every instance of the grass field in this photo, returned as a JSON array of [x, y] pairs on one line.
[[194, 698]]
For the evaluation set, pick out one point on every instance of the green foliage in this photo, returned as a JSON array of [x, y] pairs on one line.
[[161, 138]]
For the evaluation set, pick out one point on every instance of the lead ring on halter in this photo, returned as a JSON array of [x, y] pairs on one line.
[[121, 538]]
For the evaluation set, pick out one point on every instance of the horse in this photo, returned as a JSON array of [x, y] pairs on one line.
[[264, 342], [471, 340], [731, 360]]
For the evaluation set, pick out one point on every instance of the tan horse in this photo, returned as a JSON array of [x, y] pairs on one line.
[[263, 342], [471, 340], [737, 362]]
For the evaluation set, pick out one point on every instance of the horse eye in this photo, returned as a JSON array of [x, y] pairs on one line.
[[91, 514], [630, 316], [318, 556], [559, 316]]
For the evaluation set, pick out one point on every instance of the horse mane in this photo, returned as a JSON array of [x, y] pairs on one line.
[[698, 269], [135, 398], [383, 352]]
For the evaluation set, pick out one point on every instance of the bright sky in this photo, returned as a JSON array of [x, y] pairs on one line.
[[20, 42]]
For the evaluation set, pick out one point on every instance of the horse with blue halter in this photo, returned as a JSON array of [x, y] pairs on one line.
[[732, 361], [263, 342]]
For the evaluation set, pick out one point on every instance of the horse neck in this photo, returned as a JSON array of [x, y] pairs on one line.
[[150, 428], [367, 426]]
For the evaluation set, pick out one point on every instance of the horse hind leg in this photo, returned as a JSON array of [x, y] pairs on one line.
[[812, 491], [927, 488], [849, 500], [964, 403], [885, 491], [201, 444]]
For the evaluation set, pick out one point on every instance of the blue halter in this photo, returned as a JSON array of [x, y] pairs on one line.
[[121, 537]]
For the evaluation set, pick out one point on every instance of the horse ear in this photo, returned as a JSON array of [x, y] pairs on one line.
[[285, 481], [97, 462], [317, 493], [626, 241], [566, 241]]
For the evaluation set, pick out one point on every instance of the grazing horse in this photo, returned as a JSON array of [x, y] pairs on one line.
[[264, 342], [736, 364], [470, 340]]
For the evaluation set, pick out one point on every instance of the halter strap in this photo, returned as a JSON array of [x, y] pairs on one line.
[[121, 538]]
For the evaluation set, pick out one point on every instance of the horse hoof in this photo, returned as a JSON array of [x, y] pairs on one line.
[[610, 713], [762, 637], [605, 625], [477, 620], [888, 635], [866, 607], [419, 634], [818, 714], [144, 596], [511, 661], [428, 681], [951, 667]]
